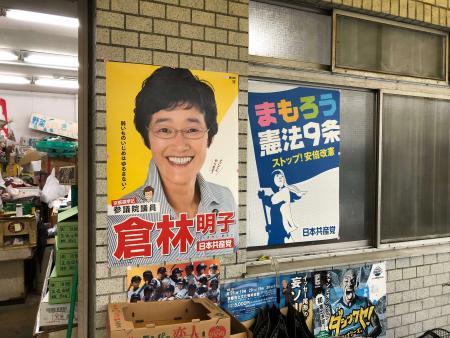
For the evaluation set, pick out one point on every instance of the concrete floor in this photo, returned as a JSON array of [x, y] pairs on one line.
[[17, 321]]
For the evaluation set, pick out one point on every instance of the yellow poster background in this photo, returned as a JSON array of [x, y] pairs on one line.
[[123, 82]]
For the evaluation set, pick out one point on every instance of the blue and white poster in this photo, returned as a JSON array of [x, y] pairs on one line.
[[292, 164]]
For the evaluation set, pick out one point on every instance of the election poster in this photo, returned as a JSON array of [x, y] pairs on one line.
[[344, 302], [172, 161], [292, 164], [174, 281]]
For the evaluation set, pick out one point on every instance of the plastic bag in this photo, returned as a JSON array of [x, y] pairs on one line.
[[296, 324], [52, 190], [280, 330]]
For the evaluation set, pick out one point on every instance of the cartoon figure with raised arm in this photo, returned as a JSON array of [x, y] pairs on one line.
[[282, 223]]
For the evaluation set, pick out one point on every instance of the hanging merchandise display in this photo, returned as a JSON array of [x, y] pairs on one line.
[[292, 164], [172, 144], [3, 119], [345, 302]]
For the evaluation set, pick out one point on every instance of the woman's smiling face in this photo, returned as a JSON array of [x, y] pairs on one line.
[[178, 159]]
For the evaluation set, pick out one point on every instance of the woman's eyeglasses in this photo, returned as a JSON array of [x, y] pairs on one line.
[[188, 133]]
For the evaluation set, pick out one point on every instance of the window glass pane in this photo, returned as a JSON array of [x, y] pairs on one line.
[[378, 47], [282, 32], [356, 170], [415, 181], [357, 166]]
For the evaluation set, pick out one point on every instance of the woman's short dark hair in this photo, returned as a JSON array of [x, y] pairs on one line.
[[168, 88]]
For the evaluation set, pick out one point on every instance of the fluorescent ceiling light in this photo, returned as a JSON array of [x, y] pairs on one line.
[[14, 79], [42, 18], [8, 56], [52, 60], [59, 83]]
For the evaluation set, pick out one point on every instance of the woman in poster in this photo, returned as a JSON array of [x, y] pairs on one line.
[[282, 223], [176, 115]]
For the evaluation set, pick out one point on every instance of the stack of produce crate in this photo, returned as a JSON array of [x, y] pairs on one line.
[[66, 261]]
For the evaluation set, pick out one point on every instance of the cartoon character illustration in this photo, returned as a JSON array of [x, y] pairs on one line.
[[282, 224], [148, 193]]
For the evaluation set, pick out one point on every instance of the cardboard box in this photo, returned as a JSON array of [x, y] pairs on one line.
[[48, 163], [23, 227], [238, 329], [54, 314], [54, 333], [197, 317], [12, 283], [66, 261], [67, 175], [67, 235], [59, 288]]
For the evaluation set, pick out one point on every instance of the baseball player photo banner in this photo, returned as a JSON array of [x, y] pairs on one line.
[[176, 281], [292, 164], [172, 161]]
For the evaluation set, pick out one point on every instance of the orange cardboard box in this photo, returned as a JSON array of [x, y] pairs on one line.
[[48, 163], [186, 318]]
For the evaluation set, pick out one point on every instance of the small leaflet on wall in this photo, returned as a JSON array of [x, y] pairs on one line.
[[346, 302], [172, 147], [293, 164]]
